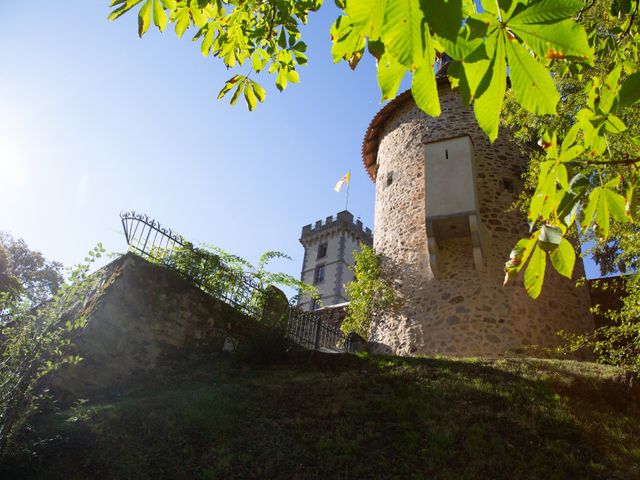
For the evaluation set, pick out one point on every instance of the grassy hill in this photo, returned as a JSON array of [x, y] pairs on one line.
[[315, 416]]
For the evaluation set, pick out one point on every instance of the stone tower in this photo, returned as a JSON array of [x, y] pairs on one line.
[[444, 233], [328, 254]]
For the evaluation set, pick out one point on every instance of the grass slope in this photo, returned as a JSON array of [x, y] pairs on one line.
[[342, 417]]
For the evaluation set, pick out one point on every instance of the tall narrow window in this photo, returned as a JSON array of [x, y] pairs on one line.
[[322, 250], [319, 274]]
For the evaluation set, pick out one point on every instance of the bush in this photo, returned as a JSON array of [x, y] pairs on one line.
[[370, 294]]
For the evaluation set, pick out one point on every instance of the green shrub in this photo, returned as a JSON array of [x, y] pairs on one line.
[[370, 294]]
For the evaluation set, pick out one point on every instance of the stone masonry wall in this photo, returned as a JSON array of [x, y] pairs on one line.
[[464, 311], [141, 318]]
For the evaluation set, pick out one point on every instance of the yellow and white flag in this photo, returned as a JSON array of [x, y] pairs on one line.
[[342, 181]]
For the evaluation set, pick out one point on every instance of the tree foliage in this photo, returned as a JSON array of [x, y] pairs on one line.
[[9, 284], [370, 294], [26, 272], [33, 343], [583, 175]]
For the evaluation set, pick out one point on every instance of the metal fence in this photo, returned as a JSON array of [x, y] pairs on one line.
[[309, 331], [149, 239]]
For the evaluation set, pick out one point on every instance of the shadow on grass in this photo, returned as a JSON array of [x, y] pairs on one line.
[[341, 417]]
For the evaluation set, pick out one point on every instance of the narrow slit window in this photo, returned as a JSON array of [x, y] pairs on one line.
[[389, 179], [509, 185]]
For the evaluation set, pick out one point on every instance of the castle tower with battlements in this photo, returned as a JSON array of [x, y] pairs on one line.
[[328, 256], [444, 230]]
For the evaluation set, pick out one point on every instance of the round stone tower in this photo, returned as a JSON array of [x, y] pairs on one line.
[[444, 230]]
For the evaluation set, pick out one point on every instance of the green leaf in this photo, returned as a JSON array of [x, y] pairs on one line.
[[614, 125], [236, 93], [546, 11], [590, 210], [464, 50], [207, 41], [259, 91], [229, 84], [196, 14], [444, 17], [550, 237], [425, 90], [630, 90], [534, 274], [402, 32], [250, 96], [390, 74], [544, 190], [488, 105], [159, 15], [469, 77], [144, 18], [616, 205], [182, 19], [281, 79], [293, 76], [603, 204], [532, 84], [348, 43], [519, 256], [423, 87], [124, 8], [563, 258], [367, 16], [564, 39], [259, 59], [609, 90], [562, 176]]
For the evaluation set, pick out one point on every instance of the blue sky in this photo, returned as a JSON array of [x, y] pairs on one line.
[[94, 121]]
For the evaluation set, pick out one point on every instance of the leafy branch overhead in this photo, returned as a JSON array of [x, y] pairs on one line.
[[403, 35], [524, 50], [262, 35]]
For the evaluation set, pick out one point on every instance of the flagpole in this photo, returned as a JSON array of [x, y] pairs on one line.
[[346, 205]]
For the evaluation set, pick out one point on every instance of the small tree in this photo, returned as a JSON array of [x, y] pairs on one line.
[[33, 343], [370, 294], [39, 279]]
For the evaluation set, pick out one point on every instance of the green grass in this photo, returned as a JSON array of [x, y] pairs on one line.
[[342, 417]]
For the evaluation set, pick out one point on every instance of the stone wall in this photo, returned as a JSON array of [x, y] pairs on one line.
[[141, 318], [464, 311]]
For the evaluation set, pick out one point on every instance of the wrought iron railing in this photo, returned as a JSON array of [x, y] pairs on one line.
[[308, 330], [149, 239]]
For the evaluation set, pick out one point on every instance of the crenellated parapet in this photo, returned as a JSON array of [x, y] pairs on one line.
[[342, 221]]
